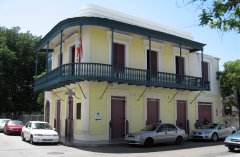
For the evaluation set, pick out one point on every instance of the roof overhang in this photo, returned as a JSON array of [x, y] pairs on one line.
[[120, 26]]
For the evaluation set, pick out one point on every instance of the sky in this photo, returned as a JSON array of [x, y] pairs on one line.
[[40, 16]]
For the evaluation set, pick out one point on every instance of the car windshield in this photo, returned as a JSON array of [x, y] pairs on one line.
[[3, 121], [151, 127], [209, 126], [15, 123], [41, 126]]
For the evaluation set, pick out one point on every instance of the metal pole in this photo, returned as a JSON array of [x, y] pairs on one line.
[[180, 64], [61, 47], [150, 57], [202, 69], [113, 55]]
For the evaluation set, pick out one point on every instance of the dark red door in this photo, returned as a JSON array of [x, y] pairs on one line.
[[70, 117], [47, 111], [117, 117], [152, 64], [58, 115], [119, 57], [152, 111], [204, 111], [182, 114]]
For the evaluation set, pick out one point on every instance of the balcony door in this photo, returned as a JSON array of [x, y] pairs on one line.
[[180, 68], [118, 58], [72, 59], [152, 63]]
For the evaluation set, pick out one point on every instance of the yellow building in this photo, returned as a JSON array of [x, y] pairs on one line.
[[129, 72]]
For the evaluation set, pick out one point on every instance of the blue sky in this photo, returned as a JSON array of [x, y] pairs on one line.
[[39, 16]]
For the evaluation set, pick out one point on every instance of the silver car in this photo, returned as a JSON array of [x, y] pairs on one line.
[[213, 131], [2, 123], [156, 133]]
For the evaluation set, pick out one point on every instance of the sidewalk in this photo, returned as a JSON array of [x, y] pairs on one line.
[[77, 143]]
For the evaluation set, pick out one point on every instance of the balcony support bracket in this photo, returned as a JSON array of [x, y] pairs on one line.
[[196, 97], [144, 92], [73, 93], [57, 96], [81, 90], [109, 84], [175, 95]]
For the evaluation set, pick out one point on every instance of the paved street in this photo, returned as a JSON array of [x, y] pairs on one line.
[[12, 146]]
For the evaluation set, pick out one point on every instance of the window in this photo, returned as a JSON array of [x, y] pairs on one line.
[[78, 111], [206, 71], [171, 127], [49, 62]]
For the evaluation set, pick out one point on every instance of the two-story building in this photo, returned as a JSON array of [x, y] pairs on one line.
[[109, 73]]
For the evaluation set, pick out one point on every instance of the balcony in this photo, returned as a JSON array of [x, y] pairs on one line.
[[75, 72]]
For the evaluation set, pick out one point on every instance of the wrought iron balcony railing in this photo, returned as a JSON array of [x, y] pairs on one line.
[[75, 72]]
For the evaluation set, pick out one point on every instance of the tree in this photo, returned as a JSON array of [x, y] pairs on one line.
[[17, 67], [229, 82], [220, 14]]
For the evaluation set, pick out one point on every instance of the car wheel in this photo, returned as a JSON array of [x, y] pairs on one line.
[[148, 142], [231, 149], [234, 132], [214, 137], [31, 140], [179, 140], [23, 139]]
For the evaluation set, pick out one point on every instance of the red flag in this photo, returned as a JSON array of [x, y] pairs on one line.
[[79, 50]]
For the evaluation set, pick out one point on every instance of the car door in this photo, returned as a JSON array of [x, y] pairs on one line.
[[161, 134], [222, 131], [172, 133], [27, 131]]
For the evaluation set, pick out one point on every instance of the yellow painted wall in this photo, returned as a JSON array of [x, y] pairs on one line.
[[99, 45]]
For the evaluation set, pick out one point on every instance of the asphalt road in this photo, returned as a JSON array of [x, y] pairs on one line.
[[12, 146]]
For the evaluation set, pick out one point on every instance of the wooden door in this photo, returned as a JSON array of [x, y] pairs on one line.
[[204, 111], [181, 121], [70, 116], [152, 64], [118, 57], [152, 111], [117, 117]]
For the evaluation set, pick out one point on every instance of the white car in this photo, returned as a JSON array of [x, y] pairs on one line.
[[3, 122], [39, 132]]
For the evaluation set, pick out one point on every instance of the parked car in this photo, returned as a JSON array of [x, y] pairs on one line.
[[13, 127], [38, 131], [2, 123], [213, 131], [232, 141], [156, 133]]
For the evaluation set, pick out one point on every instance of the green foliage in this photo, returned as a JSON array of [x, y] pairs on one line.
[[230, 78], [17, 67], [220, 14]]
